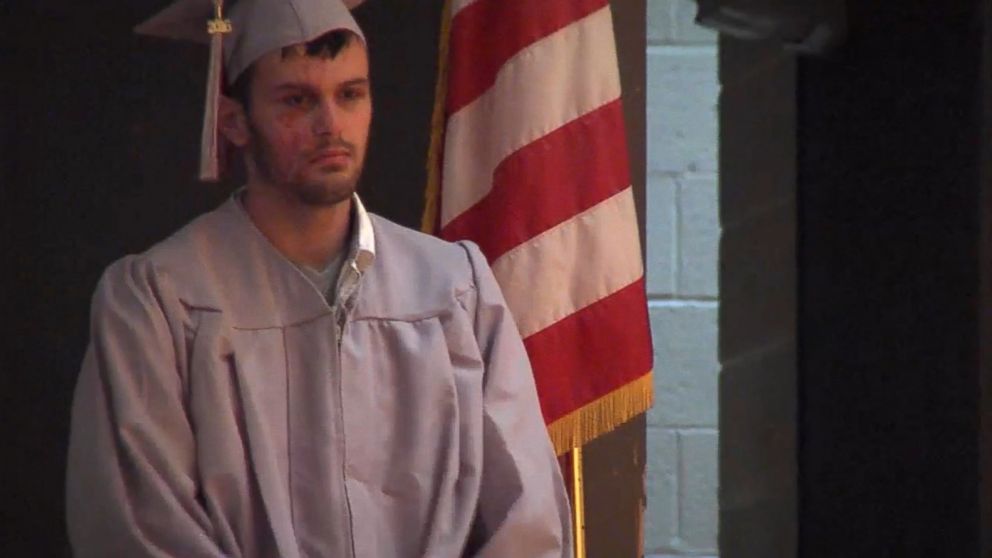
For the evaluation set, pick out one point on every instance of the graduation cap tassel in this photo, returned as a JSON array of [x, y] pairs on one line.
[[209, 155]]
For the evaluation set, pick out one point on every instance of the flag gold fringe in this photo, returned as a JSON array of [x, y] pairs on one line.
[[432, 193], [602, 415]]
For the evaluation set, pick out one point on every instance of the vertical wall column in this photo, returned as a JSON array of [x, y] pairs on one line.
[[758, 307]]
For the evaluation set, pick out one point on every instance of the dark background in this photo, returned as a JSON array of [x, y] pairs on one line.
[[856, 287], [893, 193], [99, 131]]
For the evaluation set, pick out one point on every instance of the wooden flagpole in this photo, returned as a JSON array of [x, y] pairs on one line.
[[432, 194]]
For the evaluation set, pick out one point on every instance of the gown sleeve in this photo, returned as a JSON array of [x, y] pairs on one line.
[[523, 508], [131, 485]]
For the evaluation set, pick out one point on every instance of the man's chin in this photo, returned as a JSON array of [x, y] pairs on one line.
[[326, 193]]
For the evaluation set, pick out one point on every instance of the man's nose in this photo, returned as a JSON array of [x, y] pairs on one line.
[[324, 120]]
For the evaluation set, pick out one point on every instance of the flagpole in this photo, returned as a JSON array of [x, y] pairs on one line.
[[578, 503], [432, 193]]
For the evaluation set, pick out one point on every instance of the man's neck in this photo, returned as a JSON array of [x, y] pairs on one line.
[[306, 234]]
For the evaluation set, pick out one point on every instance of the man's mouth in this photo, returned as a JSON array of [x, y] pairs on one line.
[[338, 155]]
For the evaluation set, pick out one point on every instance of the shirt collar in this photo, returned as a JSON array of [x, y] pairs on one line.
[[362, 249]]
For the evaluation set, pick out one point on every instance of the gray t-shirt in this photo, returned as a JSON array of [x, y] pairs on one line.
[[326, 279]]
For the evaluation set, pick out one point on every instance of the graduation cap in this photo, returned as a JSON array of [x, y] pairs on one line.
[[247, 31]]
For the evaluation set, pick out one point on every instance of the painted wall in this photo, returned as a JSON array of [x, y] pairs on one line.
[[683, 234]]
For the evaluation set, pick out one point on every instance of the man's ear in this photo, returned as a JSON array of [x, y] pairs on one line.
[[233, 121]]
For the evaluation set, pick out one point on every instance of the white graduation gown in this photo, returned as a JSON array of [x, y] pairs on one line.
[[224, 409]]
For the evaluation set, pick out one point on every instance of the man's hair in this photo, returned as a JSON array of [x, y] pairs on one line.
[[328, 45]]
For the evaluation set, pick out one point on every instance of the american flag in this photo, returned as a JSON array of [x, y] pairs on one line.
[[531, 164]]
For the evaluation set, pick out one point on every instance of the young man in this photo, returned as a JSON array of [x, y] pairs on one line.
[[290, 376]]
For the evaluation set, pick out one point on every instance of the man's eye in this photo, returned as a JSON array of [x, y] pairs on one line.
[[353, 94], [295, 100]]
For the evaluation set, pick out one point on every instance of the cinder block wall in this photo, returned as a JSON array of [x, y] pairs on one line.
[[683, 234]]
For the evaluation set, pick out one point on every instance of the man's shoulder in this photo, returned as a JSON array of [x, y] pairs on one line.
[[392, 236], [410, 248], [416, 273], [202, 234], [180, 261]]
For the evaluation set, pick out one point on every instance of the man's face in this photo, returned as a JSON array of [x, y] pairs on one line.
[[309, 123]]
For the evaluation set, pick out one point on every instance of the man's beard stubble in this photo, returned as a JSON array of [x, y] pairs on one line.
[[323, 194]]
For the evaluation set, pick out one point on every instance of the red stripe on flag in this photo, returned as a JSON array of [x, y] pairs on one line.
[[591, 352], [487, 33], [547, 182]]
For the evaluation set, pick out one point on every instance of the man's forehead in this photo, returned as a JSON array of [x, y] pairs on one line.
[[330, 45], [296, 67]]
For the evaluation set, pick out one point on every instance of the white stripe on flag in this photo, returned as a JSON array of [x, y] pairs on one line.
[[566, 268], [459, 5], [550, 83]]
